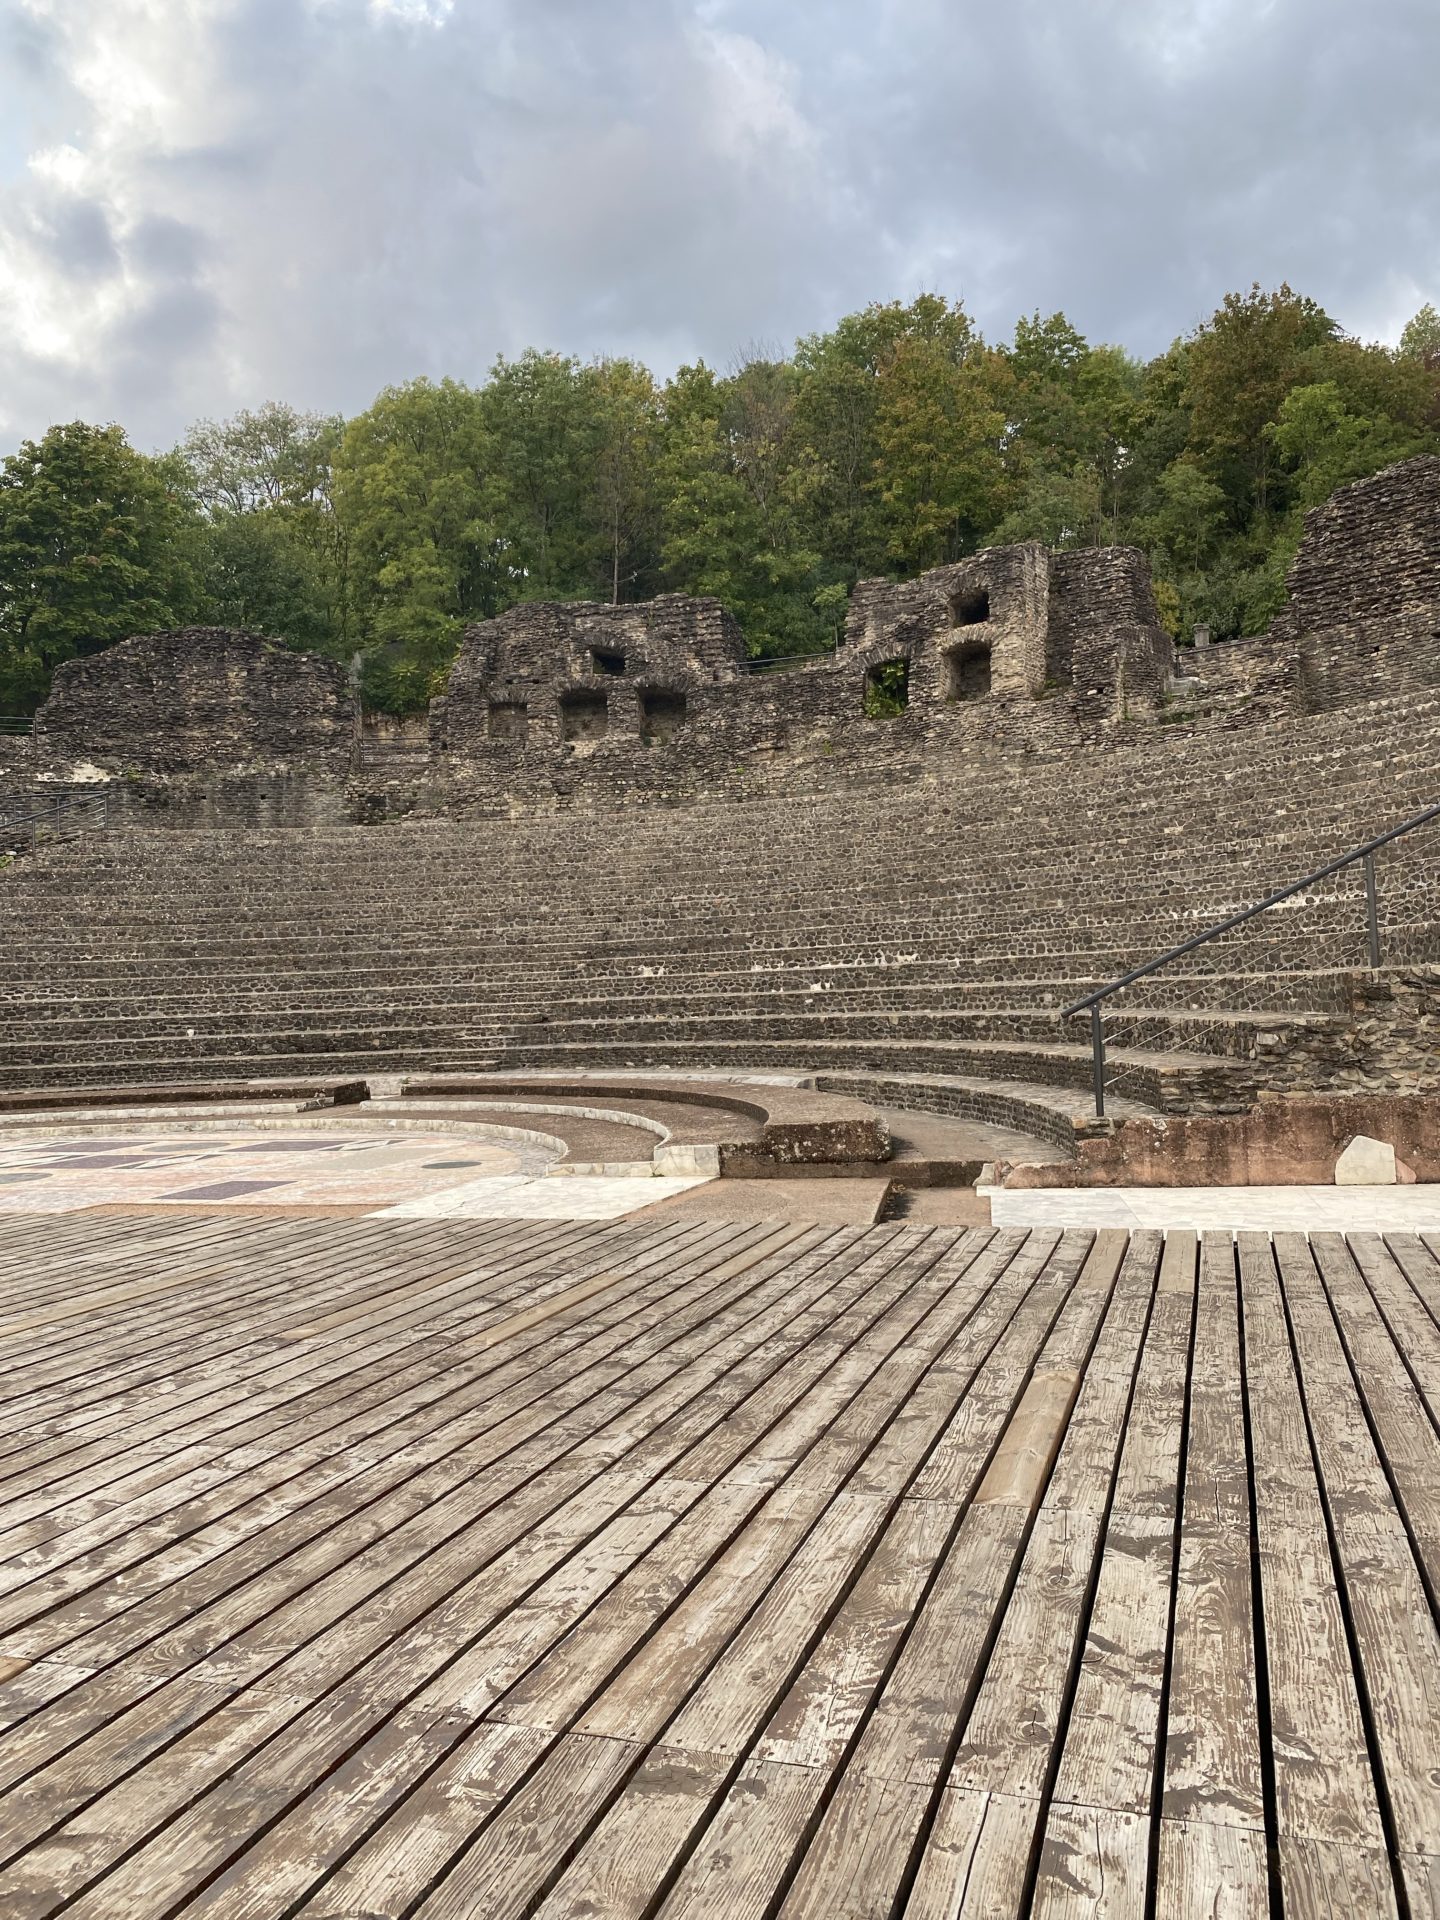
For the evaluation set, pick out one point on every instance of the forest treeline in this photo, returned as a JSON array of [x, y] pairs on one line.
[[897, 441]]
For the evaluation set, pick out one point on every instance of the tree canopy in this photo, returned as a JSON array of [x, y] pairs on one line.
[[898, 440]]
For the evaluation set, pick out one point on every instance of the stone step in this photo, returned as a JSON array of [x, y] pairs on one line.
[[1243, 1036], [874, 992], [1163, 1082], [800, 882], [1059, 1115], [398, 864]]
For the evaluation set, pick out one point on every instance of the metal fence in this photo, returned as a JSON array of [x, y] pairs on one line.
[[67, 817]]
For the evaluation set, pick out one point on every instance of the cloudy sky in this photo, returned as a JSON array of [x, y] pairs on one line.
[[207, 203]]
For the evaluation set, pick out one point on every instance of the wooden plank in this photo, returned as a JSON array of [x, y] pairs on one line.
[[1412, 1326], [1408, 1439], [206, 1831], [431, 1825], [1018, 1715], [746, 1849], [1324, 1788], [825, 1701], [1420, 1875], [1420, 1263], [268, 1720], [1326, 1880], [976, 1860], [1108, 1759], [250, 1408], [881, 1816], [1208, 1871], [147, 1675], [731, 1700], [1108, 1753], [563, 1680], [928, 1693], [1094, 1865], [1020, 1468], [517, 1854], [1391, 1621], [628, 1855], [1212, 1770], [438, 1417], [675, 1659], [963, 1449]]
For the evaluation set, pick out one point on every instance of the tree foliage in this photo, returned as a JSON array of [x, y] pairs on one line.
[[95, 544], [896, 441]]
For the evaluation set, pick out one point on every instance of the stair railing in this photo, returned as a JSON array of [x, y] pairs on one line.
[[1093, 1003], [64, 818]]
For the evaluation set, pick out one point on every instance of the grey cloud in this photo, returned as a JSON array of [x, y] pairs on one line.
[[75, 235], [323, 196]]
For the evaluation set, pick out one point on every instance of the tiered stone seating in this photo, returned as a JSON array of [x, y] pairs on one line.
[[925, 936]]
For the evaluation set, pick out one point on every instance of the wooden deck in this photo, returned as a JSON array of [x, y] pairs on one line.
[[363, 1568]]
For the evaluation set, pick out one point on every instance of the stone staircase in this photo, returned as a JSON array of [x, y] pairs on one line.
[[919, 942]]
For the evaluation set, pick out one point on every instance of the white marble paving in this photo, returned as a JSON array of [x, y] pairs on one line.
[[519, 1196], [1263, 1209]]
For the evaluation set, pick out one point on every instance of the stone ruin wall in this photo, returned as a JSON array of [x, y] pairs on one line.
[[556, 706], [209, 725], [1362, 619], [200, 700], [1360, 626], [1012, 652]]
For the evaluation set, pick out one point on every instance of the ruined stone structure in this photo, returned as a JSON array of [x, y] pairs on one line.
[[204, 700], [552, 679], [561, 707], [655, 856], [1363, 616]]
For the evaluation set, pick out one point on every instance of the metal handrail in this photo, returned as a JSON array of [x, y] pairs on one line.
[[16, 723], [19, 828], [1366, 853], [755, 663]]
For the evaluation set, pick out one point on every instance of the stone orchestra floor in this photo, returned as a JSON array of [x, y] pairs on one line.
[[408, 1174], [367, 1568]]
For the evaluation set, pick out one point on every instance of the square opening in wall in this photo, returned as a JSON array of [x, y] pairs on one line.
[[661, 715], [887, 689], [584, 715], [604, 661], [970, 608], [967, 672], [508, 720]]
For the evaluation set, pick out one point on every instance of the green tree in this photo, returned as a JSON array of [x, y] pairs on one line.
[[272, 456], [940, 479], [1241, 364], [1323, 444], [541, 419], [414, 508], [842, 381], [260, 571], [271, 555], [1059, 507], [626, 507], [96, 544], [1420, 339], [729, 524], [1190, 516]]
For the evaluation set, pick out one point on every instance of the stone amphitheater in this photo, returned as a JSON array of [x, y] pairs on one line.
[[598, 1326]]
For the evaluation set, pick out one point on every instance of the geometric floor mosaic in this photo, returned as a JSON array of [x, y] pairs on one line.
[[366, 1171]]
